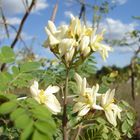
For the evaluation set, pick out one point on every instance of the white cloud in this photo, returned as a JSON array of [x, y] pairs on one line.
[[68, 14], [41, 4], [125, 49], [116, 29], [121, 2], [23, 35], [11, 7], [13, 21]]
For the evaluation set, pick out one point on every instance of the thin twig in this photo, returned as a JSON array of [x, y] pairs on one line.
[[78, 132], [20, 29], [54, 11], [20, 37], [132, 66], [4, 21], [22, 23]]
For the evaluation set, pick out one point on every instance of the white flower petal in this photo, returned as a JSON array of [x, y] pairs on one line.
[[84, 110], [94, 93], [83, 88], [69, 55], [86, 51], [105, 98], [52, 39], [51, 89], [34, 89], [51, 27], [78, 80], [78, 106], [53, 104], [84, 43], [111, 117], [97, 107], [111, 96], [117, 110], [65, 46]]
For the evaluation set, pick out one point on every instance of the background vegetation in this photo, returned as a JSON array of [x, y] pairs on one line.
[[17, 74]]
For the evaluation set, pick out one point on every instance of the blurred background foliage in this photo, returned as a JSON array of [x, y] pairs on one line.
[[25, 119]]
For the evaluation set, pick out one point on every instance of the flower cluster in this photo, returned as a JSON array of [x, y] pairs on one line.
[[75, 41], [46, 97], [89, 99]]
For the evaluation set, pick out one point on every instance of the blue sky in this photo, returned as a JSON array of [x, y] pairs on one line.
[[117, 23]]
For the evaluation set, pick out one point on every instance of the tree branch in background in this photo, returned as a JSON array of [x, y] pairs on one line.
[[82, 10], [15, 30], [20, 29], [22, 23], [132, 66], [54, 11], [4, 21]]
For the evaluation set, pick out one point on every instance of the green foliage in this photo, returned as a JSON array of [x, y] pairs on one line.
[[100, 129], [128, 119], [6, 55], [88, 68], [56, 74], [25, 119], [106, 82], [34, 120], [136, 17], [20, 76], [106, 76], [7, 107], [29, 66]]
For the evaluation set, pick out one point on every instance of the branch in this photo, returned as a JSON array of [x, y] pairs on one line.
[[64, 122], [78, 132], [14, 28], [4, 21], [20, 29], [132, 66], [54, 11], [22, 23]]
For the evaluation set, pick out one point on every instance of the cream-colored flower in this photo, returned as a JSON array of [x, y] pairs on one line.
[[69, 55], [96, 45], [62, 32], [112, 111], [75, 38], [46, 97], [87, 98], [52, 40], [74, 27], [55, 35], [66, 45], [86, 51], [51, 31], [81, 83], [84, 46]]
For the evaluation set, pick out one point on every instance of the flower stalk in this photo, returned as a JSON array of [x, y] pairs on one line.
[[64, 122]]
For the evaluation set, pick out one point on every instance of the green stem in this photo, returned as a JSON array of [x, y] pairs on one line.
[[65, 134]]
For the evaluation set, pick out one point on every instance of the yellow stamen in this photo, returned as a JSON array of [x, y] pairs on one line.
[[42, 97], [89, 99], [107, 105]]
